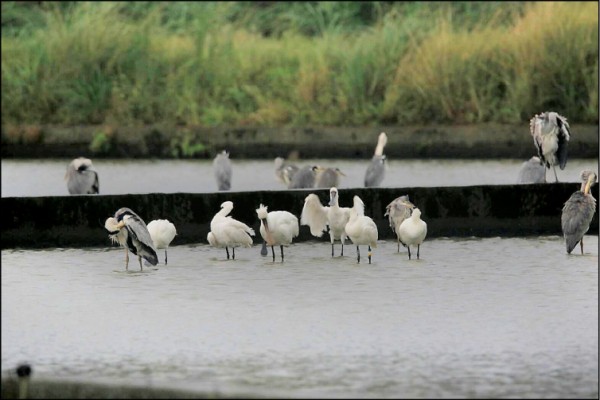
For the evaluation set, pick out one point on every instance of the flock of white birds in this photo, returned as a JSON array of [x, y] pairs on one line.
[[550, 132]]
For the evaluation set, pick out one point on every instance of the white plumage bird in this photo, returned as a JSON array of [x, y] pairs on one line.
[[277, 228], [361, 229], [532, 171], [81, 177], [413, 231], [162, 232], [551, 134], [397, 211], [318, 217], [222, 170], [226, 231]]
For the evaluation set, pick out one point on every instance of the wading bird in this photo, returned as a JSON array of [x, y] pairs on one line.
[[318, 217], [327, 177], [130, 231], [376, 169], [578, 212], [413, 231], [162, 232], [277, 228], [532, 171], [361, 229], [397, 211], [284, 171], [551, 134], [226, 231], [81, 177], [304, 177], [222, 170]]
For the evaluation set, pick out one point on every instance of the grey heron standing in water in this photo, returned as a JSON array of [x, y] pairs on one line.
[[532, 171], [222, 170], [578, 212], [284, 171], [131, 232], [304, 177], [397, 211], [376, 169], [327, 177], [162, 232], [81, 177], [551, 134]]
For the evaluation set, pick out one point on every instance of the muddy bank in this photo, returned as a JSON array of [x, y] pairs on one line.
[[160, 141], [483, 211]]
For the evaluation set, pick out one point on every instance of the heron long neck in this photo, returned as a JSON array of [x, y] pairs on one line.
[[588, 185]]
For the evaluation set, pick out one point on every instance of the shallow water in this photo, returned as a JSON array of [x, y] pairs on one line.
[[46, 177], [495, 317]]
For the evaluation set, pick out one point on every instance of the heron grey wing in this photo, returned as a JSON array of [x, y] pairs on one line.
[[576, 217], [536, 133], [223, 172], [563, 140], [136, 227], [303, 178], [96, 184], [375, 171]]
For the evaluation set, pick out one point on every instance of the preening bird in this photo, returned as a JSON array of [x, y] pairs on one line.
[[81, 177], [376, 169], [222, 170], [578, 212], [532, 171], [162, 232], [284, 171], [327, 177], [551, 134], [226, 231], [277, 228], [413, 231], [304, 177], [361, 229], [130, 231], [318, 217], [397, 211]]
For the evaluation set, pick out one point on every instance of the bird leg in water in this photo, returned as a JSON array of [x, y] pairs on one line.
[[273, 252], [357, 254], [342, 252], [408, 252], [165, 256], [233, 253], [555, 176], [331, 249], [140, 260], [281, 247], [227, 250], [369, 253], [126, 258], [418, 248], [581, 245], [398, 245]]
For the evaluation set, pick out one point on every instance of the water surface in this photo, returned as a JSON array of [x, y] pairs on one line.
[[494, 317]]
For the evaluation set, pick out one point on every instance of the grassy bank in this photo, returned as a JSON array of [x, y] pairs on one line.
[[313, 63]]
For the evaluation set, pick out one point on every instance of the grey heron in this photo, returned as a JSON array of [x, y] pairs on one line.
[[327, 177], [131, 232], [360, 228], [81, 177], [397, 211], [376, 169], [551, 134], [277, 228], [318, 217], [304, 177], [532, 171], [413, 231], [225, 231], [284, 171], [162, 232], [578, 212], [222, 170]]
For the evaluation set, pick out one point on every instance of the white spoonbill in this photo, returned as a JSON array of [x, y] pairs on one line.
[[318, 217], [413, 231], [277, 228], [226, 231], [360, 228], [397, 211], [162, 232]]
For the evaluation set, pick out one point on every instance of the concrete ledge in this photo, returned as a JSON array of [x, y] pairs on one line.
[[484, 211], [159, 141]]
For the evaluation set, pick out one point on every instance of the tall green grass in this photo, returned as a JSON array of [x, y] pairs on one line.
[[252, 63]]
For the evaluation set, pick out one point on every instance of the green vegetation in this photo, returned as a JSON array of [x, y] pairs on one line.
[[298, 63]]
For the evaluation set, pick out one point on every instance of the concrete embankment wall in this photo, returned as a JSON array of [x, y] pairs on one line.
[[484, 211], [404, 142]]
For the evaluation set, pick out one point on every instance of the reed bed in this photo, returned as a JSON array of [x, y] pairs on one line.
[[117, 64]]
